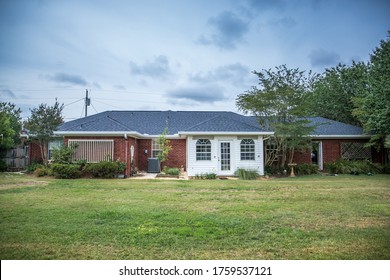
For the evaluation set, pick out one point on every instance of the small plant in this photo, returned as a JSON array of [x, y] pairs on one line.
[[245, 174], [171, 171], [306, 169], [43, 171], [205, 176]]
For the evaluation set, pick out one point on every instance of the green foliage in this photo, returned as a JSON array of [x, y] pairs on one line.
[[105, 169], [33, 166], [66, 171], [373, 107], [280, 102], [334, 92], [245, 174], [3, 166], [305, 169], [355, 167], [206, 176], [63, 154], [171, 171], [6, 131], [43, 121], [10, 125], [43, 171], [164, 145]]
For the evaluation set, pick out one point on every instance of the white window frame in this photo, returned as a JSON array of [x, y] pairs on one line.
[[203, 149], [247, 150]]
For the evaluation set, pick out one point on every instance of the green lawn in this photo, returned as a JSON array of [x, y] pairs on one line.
[[313, 217]]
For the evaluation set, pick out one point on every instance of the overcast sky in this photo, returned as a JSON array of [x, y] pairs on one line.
[[172, 54]]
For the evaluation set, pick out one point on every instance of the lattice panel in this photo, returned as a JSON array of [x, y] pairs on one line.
[[355, 150]]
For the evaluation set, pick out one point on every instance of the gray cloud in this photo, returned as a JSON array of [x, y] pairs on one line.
[[67, 79], [229, 29], [323, 58], [120, 87], [158, 68], [234, 73], [201, 94], [8, 93]]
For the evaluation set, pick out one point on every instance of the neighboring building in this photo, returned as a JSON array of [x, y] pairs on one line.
[[202, 141]]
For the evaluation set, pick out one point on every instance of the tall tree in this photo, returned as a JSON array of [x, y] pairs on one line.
[[333, 93], [280, 104], [42, 123], [373, 108], [10, 125]]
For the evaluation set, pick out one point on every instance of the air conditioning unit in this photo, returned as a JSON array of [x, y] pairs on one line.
[[153, 165]]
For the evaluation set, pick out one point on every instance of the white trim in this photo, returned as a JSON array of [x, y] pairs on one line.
[[340, 136], [234, 133], [125, 134]]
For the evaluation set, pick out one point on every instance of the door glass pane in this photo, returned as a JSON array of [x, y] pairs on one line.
[[225, 156]]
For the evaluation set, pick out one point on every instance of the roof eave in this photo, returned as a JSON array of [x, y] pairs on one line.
[[360, 136], [134, 134], [225, 133]]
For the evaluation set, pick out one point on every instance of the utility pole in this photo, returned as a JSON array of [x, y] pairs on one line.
[[87, 102]]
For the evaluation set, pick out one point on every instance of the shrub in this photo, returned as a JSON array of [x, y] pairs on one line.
[[3, 166], [33, 166], [206, 176], [245, 174], [66, 171], [105, 169], [63, 154], [171, 171], [42, 171], [355, 167], [305, 169]]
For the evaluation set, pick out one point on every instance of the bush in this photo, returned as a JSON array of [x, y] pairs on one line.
[[171, 171], [3, 166], [355, 167], [206, 176], [306, 169], [105, 169], [63, 154], [245, 174], [42, 171], [66, 171], [33, 166]]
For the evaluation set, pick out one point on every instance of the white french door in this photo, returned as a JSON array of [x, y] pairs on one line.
[[225, 163]]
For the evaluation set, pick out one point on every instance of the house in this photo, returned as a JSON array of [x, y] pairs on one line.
[[202, 141]]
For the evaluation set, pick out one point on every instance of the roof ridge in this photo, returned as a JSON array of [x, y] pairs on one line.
[[117, 122], [198, 124]]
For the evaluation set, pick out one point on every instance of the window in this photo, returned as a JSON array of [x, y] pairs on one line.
[[53, 145], [247, 149], [93, 150], [355, 151], [203, 149], [271, 152], [156, 148]]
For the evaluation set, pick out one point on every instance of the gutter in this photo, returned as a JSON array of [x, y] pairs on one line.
[[224, 133], [125, 134]]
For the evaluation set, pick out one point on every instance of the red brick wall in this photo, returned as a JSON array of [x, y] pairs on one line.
[[144, 145], [176, 157], [34, 153]]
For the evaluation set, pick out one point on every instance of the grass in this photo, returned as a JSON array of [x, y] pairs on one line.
[[312, 217]]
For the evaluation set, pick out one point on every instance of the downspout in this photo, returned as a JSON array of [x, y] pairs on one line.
[[126, 154]]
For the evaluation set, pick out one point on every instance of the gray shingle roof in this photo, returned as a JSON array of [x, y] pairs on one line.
[[153, 123]]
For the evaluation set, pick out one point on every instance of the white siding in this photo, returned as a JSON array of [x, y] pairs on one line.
[[195, 167]]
